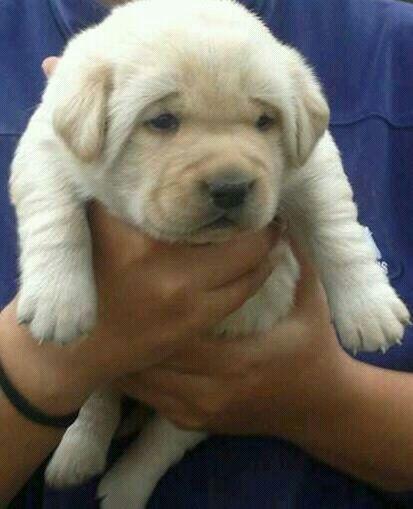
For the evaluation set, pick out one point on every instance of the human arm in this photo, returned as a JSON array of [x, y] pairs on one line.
[[153, 297], [355, 417]]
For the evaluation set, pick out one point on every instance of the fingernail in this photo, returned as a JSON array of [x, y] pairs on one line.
[[45, 66]]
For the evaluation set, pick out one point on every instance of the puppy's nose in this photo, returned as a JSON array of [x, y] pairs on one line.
[[228, 192]]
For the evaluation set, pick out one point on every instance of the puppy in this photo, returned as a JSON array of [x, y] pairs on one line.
[[191, 121]]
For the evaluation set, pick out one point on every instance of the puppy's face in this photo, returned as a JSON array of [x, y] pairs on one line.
[[202, 163], [200, 134]]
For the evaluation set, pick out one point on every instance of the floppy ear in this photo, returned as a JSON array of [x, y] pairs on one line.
[[306, 121], [80, 118]]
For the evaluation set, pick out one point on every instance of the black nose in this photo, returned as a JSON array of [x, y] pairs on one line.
[[229, 192]]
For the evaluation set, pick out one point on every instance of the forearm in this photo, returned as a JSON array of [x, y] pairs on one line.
[[23, 447], [364, 426], [35, 371]]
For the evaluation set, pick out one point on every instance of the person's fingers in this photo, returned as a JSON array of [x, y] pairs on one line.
[[164, 383], [309, 291], [221, 302], [49, 65], [166, 404], [230, 357], [306, 265], [113, 235], [207, 266], [228, 261], [165, 390], [117, 232], [147, 394]]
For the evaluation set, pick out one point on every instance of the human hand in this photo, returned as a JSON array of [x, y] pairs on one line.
[[156, 297], [251, 385]]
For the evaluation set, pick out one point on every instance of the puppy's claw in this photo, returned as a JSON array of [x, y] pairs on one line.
[[24, 321]]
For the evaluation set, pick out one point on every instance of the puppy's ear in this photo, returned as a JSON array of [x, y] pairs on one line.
[[307, 120], [80, 118]]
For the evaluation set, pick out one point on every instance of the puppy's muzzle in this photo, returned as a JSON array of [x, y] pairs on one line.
[[229, 191]]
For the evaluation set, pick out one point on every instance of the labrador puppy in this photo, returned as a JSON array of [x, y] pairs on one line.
[[189, 120]]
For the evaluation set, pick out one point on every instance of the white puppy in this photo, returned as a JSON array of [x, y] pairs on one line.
[[191, 121]]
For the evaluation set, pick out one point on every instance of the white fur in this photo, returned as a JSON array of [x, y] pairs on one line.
[[82, 452], [108, 77]]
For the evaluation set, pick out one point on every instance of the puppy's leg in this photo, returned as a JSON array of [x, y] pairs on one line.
[[57, 291], [82, 452], [366, 310], [130, 483]]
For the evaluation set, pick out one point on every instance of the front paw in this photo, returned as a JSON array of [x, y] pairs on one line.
[[371, 318], [58, 309], [126, 490], [79, 457]]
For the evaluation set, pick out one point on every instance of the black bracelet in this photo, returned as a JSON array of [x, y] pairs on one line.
[[29, 411]]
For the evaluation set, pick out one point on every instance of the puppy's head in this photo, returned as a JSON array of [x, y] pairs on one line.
[[196, 115]]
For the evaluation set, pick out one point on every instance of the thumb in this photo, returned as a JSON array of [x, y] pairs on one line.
[[49, 65], [115, 239], [310, 293]]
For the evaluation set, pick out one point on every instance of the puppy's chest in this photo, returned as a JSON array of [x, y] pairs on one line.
[[273, 300]]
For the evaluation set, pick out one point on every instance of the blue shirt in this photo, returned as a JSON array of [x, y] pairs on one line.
[[362, 53]]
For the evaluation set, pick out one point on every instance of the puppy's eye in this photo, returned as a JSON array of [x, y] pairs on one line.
[[264, 123], [164, 122]]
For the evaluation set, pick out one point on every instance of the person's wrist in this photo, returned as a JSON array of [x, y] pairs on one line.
[[322, 397], [54, 379]]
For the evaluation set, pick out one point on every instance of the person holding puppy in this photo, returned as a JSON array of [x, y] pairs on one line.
[[319, 398]]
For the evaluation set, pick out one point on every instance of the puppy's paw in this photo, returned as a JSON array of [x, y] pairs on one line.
[[126, 489], [371, 318], [78, 458], [60, 309]]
